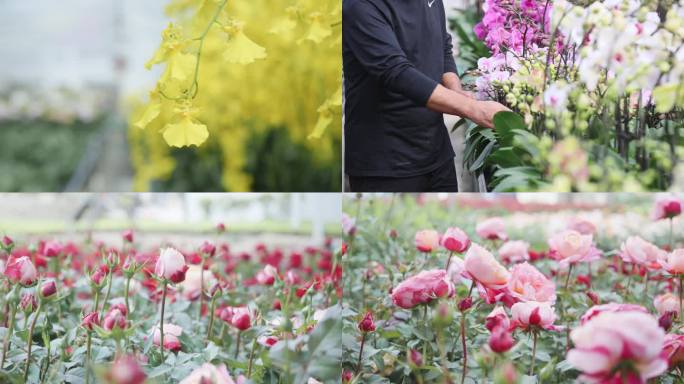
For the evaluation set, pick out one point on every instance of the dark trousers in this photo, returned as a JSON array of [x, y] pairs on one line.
[[442, 179]]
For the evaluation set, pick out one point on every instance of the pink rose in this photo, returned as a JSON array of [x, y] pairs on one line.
[[115, 318], [456, 269], [28, 303], [267, 276], [533, 314], [612, 344], [238, 317], [427, 240], [514, 251], [171, 334], [127, 235], [208, 373], [500, 340], [21, 271], [673, 349], [639, 251], [528, 284], [126, 370], [610, 307], [422, 288], [497, 318], [483, 268], [570, 247], [665, 303], [48, 289], [192, 285], [52, 248], [267, 341], [675, 262], [582, 226], [492, 229], [89, 320], [455, 240], [171, 265], [666, 207]]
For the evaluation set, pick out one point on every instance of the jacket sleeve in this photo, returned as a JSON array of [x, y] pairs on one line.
[[449, 62], [367, 32]]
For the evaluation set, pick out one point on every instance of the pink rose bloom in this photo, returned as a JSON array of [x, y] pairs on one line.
[[497, 318], [673, 349], [21, 271], [208, 373], [675, 262], [666, 207], [570, 247], [115, 318], [582, 226], [610, 307], [238, 317], [639, 251], [456, 269], [427, 240], [422, 288], [483, 268], [528, 284], [492, 229], [126, 370], [531, 313], [171, 334], [665, 303], [127, 235], [267, 341], [455, 240], [612, 340], [192, 285], [515, 251], [171, 265]]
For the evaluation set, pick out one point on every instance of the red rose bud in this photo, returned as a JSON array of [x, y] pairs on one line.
[[366, 324], [114, 319], [89, 320], [28, 303], [665, 321], [347, 376], [121, 307], [276, 304], [242, 321], [7, 241], [593, 297], [208, 249], [98, 277], [673, 208], [48, 289], [465, 304], [220, 227], [128, 236], [52, 249], [584, 279], [393, 234], [415, 358], [500, 340], [344, 248]]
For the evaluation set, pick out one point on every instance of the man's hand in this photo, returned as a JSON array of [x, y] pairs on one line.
[[485, 111]]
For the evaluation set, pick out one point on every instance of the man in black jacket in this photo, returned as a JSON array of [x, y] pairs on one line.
[[399, 78]]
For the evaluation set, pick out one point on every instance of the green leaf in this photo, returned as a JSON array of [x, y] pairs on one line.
[[479, 162], [504, 124]]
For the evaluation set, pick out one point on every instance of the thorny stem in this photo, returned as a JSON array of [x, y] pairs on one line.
[[87, 363], [534, 351], [5, 345], [251, 358], [237, 346], [161, 322], [29, 340], [463, 343], [126, 290], [201, 303], [211, 317], [567, 278], [448, 262], [109, 290], [363, 341]]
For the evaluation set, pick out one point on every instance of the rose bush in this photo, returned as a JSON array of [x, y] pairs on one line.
[[90, 312], [598, 306]]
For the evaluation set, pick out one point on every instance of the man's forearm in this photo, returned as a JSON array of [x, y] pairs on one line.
[[456, 103], [451, 81]]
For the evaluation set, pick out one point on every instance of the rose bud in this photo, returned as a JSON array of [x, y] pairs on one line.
[[21, 271], [171, 265], [215, 290], [427, 240], [415, 359], [492, 229], [127, 235], [52, 249], [220, 228], [126, 370], [267, 341], [98, 277], [114, 319], [89, 320], [7, 242], [666, 319], [393, 234], [267, 275], [347, 376], [465, 304], [208, 249], [242, 320], [455, 240], [48, 289], [28, 303], [593, 297], [171, 334], [667, 208], [497, 318], [366, 324], [277, 305], [500, 340], [121, 307]]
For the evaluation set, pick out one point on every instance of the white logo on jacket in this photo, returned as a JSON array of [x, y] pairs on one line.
[[430, 3]]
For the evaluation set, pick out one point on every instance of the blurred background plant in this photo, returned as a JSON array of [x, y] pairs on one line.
[[267, 120]]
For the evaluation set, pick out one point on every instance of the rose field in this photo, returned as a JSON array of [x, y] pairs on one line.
[[595, 89], [515, 288], [194, 302]]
